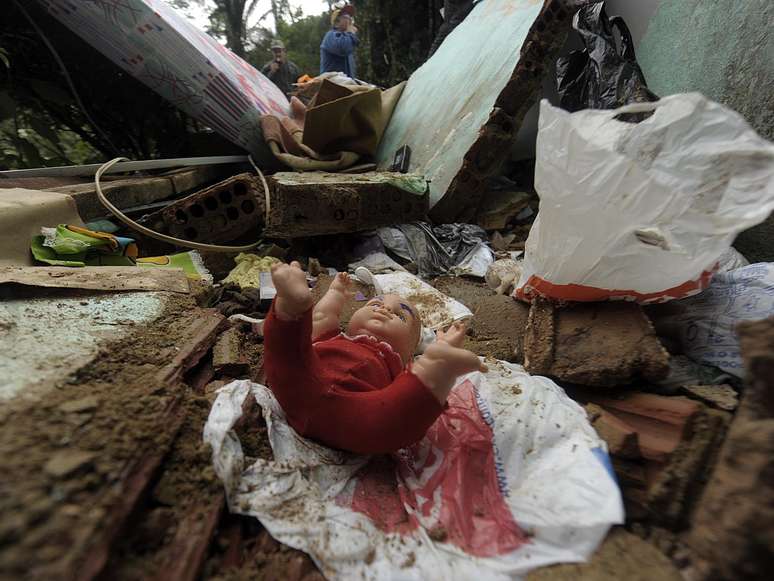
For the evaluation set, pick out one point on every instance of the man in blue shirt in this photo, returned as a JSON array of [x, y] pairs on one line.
[[337, 50]]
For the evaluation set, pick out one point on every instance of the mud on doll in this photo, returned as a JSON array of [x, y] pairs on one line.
[[358, 391]]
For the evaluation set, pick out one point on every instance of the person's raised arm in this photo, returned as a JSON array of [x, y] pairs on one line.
[[340, 43]]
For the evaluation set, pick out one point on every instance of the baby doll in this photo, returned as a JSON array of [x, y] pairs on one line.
[[357, 391]]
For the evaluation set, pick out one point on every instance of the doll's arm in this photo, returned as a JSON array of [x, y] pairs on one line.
[[293, 295], [327, 311], [444, 361]]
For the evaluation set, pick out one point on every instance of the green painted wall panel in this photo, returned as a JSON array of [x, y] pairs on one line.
[[723, 48]]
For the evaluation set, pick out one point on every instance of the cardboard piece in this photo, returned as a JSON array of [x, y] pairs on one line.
[[114, 278], [23, 213]]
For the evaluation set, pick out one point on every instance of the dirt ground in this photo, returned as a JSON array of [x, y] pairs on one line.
[[498, 322], [110, 468], [64, 459]]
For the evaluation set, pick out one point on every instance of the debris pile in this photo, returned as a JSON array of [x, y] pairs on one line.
[[558, 264]]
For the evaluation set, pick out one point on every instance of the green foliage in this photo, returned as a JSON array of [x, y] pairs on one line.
[[41, 123], [394, 38]]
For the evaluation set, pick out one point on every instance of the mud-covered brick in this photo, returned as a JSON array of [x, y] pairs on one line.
[[598, 344], [317, 203], [736, 512], [228, 357], [221, 213]]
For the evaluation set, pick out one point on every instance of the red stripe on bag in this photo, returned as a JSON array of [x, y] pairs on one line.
[[537, 286]]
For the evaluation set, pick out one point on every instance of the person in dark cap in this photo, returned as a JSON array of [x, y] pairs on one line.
[[337, 50], [280, 70]]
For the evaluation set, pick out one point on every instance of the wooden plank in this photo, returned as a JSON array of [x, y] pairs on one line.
[[227, 355], [203, 334], [131, 192], [140, 472], [190, 546], [112, 278], [134, 484]]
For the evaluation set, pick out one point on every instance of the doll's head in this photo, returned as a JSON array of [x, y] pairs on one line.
[[391, 319]]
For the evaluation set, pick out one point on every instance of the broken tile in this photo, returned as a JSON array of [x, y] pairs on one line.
[[659, 421], [66, 462], [723, 397], [84, 404], [677, 439], [597, 344], [621, 439], [677, 483]]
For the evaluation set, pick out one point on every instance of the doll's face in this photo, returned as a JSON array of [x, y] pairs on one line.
[[391, 319]]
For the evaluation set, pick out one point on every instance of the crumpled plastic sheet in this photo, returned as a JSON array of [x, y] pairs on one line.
[[511, 477], [436, 310], [600, 76], [707, 323], [447, 248], [644, 211]]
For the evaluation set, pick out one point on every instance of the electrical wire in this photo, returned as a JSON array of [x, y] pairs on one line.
[[164, 237], [265, 187]]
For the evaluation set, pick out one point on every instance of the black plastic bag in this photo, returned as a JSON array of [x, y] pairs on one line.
[[600, 76], [434, 249]]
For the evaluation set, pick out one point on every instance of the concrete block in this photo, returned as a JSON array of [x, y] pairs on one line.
[[316, 203], [596, 344], [220, 213]]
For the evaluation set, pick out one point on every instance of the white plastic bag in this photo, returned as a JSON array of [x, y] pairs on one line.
[[707, 324], [511, 477], [642, 211], [435, 309]]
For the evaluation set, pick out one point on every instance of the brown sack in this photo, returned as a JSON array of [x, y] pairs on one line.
[[344, 118]]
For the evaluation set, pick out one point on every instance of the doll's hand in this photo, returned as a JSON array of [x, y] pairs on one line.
[[293, 295], [442, 363], [454, 335], [342, 285]]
